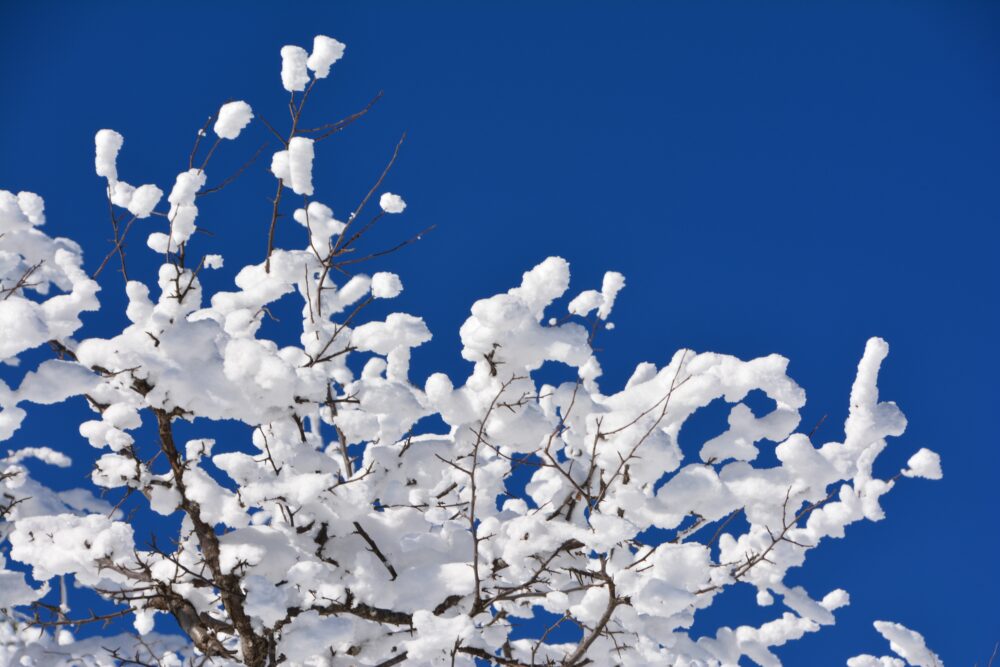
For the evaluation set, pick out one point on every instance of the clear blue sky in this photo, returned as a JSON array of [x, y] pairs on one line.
[[771, 177]]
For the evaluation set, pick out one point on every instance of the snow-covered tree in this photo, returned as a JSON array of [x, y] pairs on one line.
[[343, 532]]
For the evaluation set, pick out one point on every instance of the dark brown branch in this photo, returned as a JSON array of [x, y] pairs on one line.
[[254, 646], [276, 202], [203, 132], [234, 175], [576, 658], [375, 550], [284, 142], [361, 206], [333, 128], [22, 282], [393, 661], [61, 620], [399, 246]]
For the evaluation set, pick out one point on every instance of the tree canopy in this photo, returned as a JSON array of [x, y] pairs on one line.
[[525, 515]]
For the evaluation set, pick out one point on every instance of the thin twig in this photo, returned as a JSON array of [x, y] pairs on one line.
[[235, 175]]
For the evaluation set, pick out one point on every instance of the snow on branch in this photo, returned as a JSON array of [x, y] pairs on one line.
[[343, 531]]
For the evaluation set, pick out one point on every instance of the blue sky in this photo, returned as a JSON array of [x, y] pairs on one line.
[[770, 177]]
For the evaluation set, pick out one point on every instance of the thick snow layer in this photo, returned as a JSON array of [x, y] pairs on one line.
[[108, 143], [186, 186], [603, 301], [15, 591], [326, 51], [300, 161], [386, 285], [144, 200], [233, 117], [294, 166], [906, 643], [391, 203], [70, 544], [33, 315], [294, 76], [924, 463], [183, 210], [366, 518], [279, 166], [319, 220]]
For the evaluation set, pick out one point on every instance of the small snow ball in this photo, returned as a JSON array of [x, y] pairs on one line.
[[391, 203]]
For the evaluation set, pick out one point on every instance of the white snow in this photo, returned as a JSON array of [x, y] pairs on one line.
[[183, 210], [233, 117], [108, 143], [279, 166], [326, 51], [318, 219], [386, 285], [924, 463], [294, 76], [351, 492], [300, 160], [187, 184], [603, 301], [391, 203], [45, 454], [908, 644], [905, 643], [144, 200]]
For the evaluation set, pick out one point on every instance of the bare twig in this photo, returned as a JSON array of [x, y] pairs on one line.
[[375, 550], [22, 282], [234, 175], [333, 128]]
